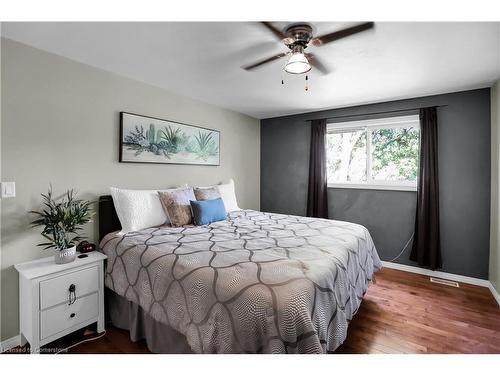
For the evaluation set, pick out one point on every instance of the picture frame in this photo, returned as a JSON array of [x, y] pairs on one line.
[[152, 140]]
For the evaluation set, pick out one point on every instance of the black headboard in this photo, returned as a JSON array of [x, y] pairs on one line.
[[108, 220]]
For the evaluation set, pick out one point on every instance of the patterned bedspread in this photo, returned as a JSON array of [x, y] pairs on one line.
[[258, 282]]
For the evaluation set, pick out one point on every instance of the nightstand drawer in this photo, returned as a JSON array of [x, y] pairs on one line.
[[56, 290], [62, 317]]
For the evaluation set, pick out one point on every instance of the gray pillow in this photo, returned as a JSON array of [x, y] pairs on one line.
[[177, 205], [203, 194]]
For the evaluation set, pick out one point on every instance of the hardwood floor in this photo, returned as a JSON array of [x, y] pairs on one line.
[[406, 313], [401, 313]]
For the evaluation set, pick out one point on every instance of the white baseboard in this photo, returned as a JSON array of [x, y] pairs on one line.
[[439, 274], [495, 293], [445, 275], [10, 343]]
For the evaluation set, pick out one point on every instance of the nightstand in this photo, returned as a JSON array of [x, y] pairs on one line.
[[57, 299]]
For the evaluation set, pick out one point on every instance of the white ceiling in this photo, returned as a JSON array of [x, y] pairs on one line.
[[204, 60]]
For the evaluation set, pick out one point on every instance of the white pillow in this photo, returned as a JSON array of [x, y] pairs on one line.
[[228, 196], [138, 209]]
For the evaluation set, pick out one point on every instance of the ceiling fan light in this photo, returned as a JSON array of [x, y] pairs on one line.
[[298, 64]]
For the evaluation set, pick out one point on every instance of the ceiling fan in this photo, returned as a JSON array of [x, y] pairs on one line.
[[297, 37]]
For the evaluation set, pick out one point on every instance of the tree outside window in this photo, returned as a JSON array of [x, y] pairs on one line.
[[381, 152]]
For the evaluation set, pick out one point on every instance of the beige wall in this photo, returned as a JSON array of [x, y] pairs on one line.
[[494, 270], [60, 126]]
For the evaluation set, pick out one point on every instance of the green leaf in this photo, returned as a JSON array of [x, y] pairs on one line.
[[62, 217]]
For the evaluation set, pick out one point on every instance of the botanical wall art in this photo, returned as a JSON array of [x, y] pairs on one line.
[[150, 140]]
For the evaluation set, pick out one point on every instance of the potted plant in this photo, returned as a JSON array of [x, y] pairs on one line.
[[62, 220]]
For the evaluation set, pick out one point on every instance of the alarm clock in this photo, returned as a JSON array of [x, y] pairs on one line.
[[85, 247]]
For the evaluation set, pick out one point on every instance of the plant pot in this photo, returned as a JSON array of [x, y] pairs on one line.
[[65, 256]]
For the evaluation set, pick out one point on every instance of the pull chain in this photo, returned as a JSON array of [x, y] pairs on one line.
[[306, 86]]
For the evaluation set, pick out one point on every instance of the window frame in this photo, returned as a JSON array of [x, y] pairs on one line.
[[368, 126]]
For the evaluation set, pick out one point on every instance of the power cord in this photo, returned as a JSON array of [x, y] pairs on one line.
[[404, 248], [81, 342]]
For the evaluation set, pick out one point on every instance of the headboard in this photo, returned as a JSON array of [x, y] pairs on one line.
[[108, 220]]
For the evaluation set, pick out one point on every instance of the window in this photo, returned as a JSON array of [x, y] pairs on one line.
[[376, 154]]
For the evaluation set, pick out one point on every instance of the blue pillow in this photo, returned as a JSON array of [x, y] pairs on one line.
[[208, 211]]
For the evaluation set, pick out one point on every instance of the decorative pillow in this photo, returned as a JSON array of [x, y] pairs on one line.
[[138, 209], [208, 211], [177, 206], [203, 194], [227, 194]]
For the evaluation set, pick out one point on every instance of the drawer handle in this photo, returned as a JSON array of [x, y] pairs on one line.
[[72, 315], [72, 294]]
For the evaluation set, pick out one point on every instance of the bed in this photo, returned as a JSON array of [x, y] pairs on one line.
[[255, 283]]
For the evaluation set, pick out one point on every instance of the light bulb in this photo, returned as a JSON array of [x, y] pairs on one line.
[[297, 64]]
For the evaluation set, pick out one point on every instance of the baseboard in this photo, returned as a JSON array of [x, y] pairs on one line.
[[439, 274], [10, 343], [495, 293]]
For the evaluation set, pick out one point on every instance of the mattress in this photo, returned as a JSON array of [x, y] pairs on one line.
[[254, 283]]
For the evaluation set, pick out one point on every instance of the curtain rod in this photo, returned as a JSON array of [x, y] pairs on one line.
[[380, 113]]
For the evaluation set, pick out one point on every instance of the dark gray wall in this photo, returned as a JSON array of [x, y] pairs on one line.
[[464, 177]]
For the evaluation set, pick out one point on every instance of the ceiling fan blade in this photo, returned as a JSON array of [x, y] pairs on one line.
[[328, 38], [278, 33], [265, 61], [316, 63]]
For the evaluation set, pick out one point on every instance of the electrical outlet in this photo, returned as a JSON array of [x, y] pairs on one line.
[[8, 189]]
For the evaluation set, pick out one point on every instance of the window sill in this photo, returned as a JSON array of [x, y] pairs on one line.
[[373, 187]]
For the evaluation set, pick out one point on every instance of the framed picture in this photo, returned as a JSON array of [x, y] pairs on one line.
[[152, 140]]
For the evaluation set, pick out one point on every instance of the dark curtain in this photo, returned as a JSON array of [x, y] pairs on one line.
[[426, 248], [317, 194]]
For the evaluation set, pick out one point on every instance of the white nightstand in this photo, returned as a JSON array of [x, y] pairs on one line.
[[48, 309]]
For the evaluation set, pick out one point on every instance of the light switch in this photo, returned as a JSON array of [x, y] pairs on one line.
[[8, 189]]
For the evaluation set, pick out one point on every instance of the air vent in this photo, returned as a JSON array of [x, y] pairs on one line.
[[445, 282]]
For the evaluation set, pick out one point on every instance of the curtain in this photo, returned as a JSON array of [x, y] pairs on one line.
[[317, 194], [426, 248]]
